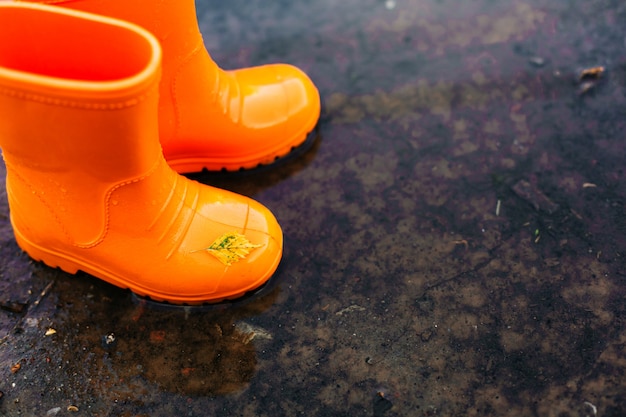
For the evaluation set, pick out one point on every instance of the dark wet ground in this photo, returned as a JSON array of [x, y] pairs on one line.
[[455, 240]]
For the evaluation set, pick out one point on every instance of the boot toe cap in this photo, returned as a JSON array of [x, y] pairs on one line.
[[232, 252], [280, 97]]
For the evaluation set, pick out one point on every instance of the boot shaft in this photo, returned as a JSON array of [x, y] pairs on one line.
[[78, 106], [188, 72], [77, 89]]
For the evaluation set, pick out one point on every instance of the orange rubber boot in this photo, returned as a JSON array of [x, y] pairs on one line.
[[208, 117], [87, 184]]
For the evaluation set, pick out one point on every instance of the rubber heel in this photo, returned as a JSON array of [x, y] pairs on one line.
[[42, 255]]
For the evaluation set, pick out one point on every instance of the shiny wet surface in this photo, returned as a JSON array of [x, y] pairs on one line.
[[454, 240]]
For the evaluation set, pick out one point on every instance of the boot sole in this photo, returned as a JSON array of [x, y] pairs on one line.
[[71, 265], [299, 145]]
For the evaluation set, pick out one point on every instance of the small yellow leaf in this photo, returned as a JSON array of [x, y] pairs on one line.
[[50, 332], [231, 247]]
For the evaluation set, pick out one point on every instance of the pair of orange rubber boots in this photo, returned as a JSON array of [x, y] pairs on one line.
[[103, 103]]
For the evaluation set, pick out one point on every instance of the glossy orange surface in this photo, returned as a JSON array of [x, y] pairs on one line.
[[87, 184]]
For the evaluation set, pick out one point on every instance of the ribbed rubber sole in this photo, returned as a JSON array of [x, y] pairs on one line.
[[71, 265], [293, 149]]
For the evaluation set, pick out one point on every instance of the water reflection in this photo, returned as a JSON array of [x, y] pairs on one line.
[[187, 351]]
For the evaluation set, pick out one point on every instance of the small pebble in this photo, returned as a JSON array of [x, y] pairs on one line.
[[537, 61]]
